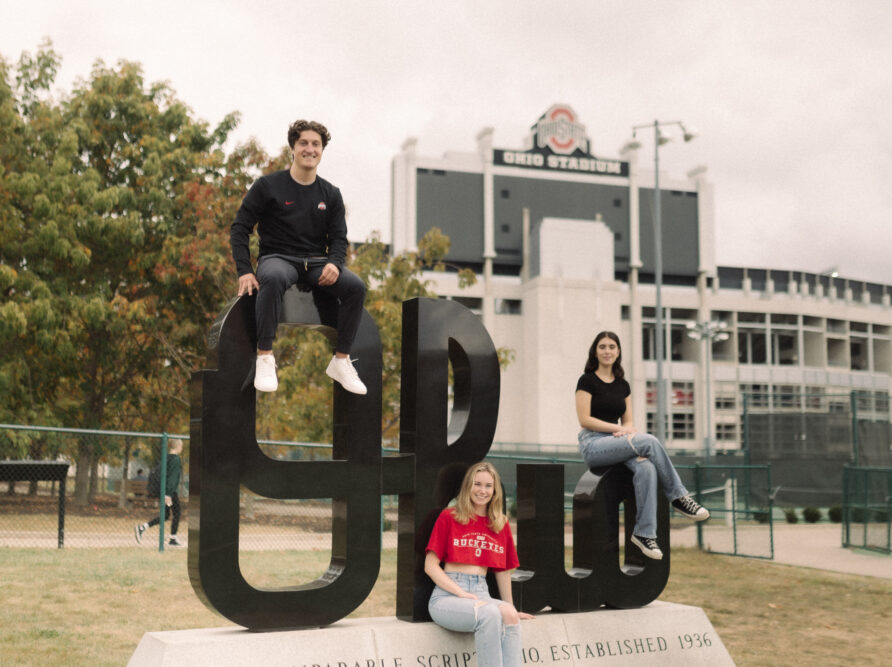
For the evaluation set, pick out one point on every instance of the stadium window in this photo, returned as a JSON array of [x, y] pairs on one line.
[[726, 396], [858, 354], [508, 307], [648, 344], [683, 426], [751, 347], [784, 348], [787, 396], [726, 432], [882, 402], [683, 394], [756, 394]]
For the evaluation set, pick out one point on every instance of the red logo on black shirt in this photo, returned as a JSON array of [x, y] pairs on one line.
[[288, 203], [321, 206]]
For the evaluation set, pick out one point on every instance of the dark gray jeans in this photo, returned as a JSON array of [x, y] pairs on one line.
[[339, 305]]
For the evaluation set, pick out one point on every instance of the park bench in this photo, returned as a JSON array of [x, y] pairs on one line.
[[137, 493]]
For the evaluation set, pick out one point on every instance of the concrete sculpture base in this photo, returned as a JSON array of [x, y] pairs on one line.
[[661, 633]]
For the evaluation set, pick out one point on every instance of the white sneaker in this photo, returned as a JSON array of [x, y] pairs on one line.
[[265, 373], [341, 370]]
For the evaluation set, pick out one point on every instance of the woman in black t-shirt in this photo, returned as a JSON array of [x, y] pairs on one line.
[[608, 436]]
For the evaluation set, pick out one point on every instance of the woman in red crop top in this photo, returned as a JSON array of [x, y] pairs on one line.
[[469, 539]]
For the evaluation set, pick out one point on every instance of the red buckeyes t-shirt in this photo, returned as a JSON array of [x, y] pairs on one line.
[[473, 543]]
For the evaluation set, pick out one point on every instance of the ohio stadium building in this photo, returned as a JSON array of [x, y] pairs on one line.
[[562, 241]]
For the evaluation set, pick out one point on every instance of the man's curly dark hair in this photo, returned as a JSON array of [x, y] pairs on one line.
[[299, 126]]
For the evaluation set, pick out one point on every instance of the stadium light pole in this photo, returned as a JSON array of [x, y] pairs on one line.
[[659, 140], [710, 332]]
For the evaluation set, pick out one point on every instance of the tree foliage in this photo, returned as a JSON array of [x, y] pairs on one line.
[[92, 188], [115, 204]]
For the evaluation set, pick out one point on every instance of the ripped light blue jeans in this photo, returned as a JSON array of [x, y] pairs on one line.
[[498, 645], [604, 449]]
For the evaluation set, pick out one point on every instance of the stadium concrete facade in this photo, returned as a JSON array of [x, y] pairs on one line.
[[563, 245]]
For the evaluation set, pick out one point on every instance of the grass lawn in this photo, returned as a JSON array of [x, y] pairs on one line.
[[92, 606]]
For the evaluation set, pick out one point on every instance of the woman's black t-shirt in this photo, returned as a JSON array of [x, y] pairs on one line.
[[608, 398]]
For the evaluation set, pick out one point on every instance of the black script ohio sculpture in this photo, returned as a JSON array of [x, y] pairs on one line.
[[435, 445]]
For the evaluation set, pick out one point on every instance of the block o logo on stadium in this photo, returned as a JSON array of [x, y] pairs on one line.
[[559, 130]]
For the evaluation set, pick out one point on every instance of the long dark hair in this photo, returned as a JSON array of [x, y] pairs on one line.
[[591, 365]]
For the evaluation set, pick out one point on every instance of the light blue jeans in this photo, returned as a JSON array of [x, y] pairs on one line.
[[498, 645], [604, 449]]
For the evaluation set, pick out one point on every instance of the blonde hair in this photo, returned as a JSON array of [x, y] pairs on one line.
[[464, 508]]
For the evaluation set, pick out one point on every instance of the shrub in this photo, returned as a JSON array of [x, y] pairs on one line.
[[835, 514], [790, 515], [811, 514], [761, 516]]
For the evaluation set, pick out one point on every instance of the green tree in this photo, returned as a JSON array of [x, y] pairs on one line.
[[30, 328], [96, 185]]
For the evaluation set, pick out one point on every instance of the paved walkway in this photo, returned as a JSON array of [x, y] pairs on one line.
[[806, 545]]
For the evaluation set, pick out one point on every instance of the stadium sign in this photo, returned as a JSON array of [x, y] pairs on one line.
[[559, 142]]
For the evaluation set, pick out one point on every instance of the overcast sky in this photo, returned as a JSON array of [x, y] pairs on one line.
[[791, 99]]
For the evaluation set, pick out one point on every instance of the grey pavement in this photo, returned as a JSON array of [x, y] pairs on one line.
[[805, 545]]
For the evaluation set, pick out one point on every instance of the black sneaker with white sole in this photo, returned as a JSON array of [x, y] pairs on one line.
[[648, 546], [690, 508]]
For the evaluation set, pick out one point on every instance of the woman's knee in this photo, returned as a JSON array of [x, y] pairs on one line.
[[644, 469], [509, 615], [487, 613], [645, 443]]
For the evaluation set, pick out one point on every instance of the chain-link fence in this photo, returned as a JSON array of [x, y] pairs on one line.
[[103, 506], [99, 503], [867, 508], [54, 504], [741, 506], [808, 436]]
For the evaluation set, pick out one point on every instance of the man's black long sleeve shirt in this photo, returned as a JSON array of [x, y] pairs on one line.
[[292, 219]]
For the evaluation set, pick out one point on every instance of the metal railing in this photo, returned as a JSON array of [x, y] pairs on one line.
[[29, 516], [741, 506], [867, 508]]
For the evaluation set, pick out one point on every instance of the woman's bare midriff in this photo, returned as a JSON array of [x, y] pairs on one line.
[[466, 568]]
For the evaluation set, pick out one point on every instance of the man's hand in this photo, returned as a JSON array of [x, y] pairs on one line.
[[329, 275], [247, 284]]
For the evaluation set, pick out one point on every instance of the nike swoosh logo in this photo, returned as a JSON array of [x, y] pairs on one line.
[[288, 203]]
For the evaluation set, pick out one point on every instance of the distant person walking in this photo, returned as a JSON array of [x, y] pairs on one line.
[[171, 495]]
